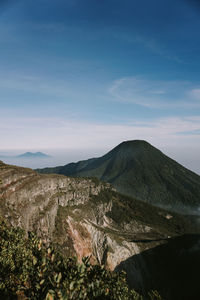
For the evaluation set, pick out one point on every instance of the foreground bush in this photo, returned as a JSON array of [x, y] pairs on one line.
[[29, 270]]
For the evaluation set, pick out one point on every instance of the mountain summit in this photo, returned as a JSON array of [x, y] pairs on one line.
[[137, 169]]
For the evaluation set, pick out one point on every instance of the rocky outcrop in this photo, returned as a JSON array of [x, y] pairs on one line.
[[69, 212], [84, 217], [31, 201]]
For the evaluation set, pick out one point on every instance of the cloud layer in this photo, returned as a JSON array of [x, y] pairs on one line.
[[60, 133]]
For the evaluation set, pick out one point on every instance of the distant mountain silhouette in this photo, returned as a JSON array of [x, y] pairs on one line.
[[33, 155], [27, 155], [137, 169]]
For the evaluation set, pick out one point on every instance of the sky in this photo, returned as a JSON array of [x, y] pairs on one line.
[[89, 74]]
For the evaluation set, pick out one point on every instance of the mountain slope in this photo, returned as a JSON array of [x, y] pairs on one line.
[[137, 169], [85, 217]]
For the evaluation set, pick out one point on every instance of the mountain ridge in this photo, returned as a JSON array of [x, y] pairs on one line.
[[138, 169]]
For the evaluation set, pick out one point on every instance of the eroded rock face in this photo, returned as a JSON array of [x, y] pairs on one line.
[[31, 201], [102, 242], [64, 210], [85, 217]]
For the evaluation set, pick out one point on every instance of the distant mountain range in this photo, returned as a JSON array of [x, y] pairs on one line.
[[137, 169], [28, 155]]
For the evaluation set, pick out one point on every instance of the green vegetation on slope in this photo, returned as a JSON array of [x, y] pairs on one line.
[[137, 169], [31, 271]]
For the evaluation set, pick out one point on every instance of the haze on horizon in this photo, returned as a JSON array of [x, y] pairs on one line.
[[87, 75]]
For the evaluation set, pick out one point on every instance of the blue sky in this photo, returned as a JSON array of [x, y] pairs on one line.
[[88, 74]]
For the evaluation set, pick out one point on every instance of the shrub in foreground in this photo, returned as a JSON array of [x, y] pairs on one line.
[[29, 270]]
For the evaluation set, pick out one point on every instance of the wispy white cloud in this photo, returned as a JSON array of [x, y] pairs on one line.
[[192, 132], [195, 93], [71, 85], [150, 44], [34, 84], [155, 93], [61, 133]]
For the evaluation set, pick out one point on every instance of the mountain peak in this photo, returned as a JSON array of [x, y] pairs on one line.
[[135, 143], [132, 149], [138, 169]]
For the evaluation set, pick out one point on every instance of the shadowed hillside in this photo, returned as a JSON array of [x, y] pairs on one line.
[[173, 267]]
